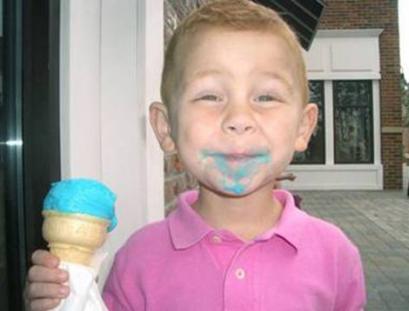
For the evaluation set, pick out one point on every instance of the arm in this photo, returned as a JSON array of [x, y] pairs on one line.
[[121, 292], [351, 291]]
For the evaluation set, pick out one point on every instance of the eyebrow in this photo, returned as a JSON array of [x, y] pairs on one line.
[[278, 77], [202, 74], [208, 72], [215, 72]]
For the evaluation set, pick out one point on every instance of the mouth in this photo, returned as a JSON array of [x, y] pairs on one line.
[[238, 158], [237, 169]]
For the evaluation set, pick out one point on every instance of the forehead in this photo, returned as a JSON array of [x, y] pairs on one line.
[[240, 51]]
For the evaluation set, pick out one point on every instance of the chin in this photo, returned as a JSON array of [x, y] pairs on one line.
[[232, 191], [226, 186], [233, 194]]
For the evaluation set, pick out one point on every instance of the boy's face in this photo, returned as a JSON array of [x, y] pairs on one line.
[[238, 111]]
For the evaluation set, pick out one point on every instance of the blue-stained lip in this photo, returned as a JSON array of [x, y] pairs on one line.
[[235, 156], [237, 168], [239, 157]]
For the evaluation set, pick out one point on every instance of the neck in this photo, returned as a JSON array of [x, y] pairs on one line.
[[246, 217]]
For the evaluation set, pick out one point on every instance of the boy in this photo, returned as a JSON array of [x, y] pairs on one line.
[[235, 107]]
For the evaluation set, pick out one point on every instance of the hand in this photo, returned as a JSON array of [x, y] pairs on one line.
[[45, 282]]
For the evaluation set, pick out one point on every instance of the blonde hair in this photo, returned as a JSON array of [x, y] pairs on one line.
[[240, 15]]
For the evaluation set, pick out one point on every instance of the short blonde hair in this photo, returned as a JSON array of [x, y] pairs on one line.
[[240, 15]]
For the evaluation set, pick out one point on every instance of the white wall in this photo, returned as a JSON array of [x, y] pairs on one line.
[[110, 71], [344, 54]]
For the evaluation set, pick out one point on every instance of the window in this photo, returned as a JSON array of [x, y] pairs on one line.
[[315, 153], [353, 122]]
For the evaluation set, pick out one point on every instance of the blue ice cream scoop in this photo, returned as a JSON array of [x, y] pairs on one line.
[[82, 196]]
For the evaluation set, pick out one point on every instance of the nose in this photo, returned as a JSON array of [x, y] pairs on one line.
[[238, 121]]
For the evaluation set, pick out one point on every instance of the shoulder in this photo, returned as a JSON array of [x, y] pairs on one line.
[[133, 266], [155, 232], [338, 258], [329, 238], [323, 227], [150, 241]]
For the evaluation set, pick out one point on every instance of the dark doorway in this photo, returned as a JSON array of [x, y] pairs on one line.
[[29, 134]]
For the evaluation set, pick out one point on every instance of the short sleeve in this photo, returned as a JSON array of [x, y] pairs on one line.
[[121, 292], [351, 294]]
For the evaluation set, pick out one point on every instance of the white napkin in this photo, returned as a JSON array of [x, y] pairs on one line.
[[84, 293]]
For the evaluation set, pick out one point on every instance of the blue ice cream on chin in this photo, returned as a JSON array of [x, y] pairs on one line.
[[237, 170], [82, 196]]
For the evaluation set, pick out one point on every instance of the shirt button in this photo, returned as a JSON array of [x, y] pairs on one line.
[[216, 239], [240, 273]]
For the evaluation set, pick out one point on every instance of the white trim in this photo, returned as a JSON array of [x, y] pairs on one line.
[[336, 177], [334, 167], [392, 130], [351, 54], [154, 51], [376, 104], [329, 122], [336, 75], [349, 33]]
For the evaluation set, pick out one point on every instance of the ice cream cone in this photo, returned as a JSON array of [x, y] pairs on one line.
[[74, 237]]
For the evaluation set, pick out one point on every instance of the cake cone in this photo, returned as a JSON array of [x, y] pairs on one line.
[[74, 237]]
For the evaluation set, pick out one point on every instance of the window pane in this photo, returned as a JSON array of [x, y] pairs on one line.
[[353, 122], [315, 153]]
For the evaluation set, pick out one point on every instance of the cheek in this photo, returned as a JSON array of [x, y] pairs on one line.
[[196, 129], [281, 133], [281, 136]]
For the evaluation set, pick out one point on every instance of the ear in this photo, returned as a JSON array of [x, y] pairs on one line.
[[307, 126], [159, 119]]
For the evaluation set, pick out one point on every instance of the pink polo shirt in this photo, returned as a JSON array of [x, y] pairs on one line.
[[183, 264]]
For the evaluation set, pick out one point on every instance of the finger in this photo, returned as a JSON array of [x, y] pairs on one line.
[[45, 258], [46, 290], [44, 304], [42, 274]]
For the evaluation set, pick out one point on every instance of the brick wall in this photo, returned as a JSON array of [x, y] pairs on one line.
[[392, 163], [176, 180], [347, 14]]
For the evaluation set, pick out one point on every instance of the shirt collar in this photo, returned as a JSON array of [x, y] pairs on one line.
[[290, 226], [188, 228]]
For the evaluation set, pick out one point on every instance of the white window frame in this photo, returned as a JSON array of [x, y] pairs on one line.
[[321, 64]]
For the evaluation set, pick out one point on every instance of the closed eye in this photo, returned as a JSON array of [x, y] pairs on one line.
[[265, 98], [210, 97]]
